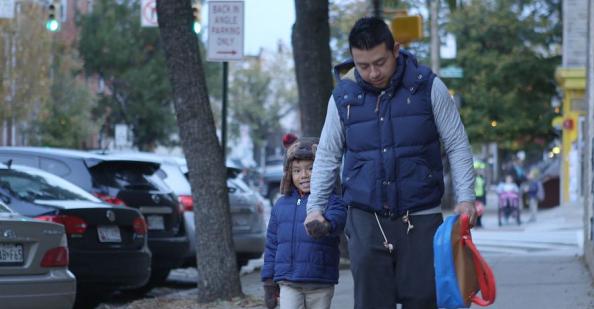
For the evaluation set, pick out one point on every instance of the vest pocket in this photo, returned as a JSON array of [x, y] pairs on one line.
[[359, 186], [418, 185]]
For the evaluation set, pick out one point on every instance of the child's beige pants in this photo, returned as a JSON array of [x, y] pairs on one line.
[[295, 297]]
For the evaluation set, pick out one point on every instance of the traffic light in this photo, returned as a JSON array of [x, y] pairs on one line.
[[53, 24], [197, 17], [407, 28]]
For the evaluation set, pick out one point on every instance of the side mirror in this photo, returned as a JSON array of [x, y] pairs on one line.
[[231, 189]]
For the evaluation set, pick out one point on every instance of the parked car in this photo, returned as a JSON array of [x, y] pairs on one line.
[[272, 175], [119, 182], [107, 244], [33, 264], [247, 206], [247, 216]]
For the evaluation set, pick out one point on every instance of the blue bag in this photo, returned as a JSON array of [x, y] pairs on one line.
[[460, 270]]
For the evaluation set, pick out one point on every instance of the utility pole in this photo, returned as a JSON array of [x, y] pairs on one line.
[[377, 8], [589, 155], [434, 7]]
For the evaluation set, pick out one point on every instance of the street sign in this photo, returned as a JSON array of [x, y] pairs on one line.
[[407, 29], [148, 13], [121, 135], [225, 30], [451, 72], [7, 9]]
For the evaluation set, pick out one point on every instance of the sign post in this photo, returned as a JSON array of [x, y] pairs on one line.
[[225, 43]]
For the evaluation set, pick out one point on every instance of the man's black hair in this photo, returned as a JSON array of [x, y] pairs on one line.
[[369, 32]]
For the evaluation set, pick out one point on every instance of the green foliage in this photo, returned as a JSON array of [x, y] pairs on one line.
[[131, 61], [26, 36], [261, 92], [343, 15], [508, 50], [66, 120]]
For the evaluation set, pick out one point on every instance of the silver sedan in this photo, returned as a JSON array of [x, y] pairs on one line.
[[33, 264]]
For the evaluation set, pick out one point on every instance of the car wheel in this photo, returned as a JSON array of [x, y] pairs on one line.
[[241, 262], [159, 276]]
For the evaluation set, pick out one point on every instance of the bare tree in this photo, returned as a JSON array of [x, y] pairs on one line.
[[313, 67], [218, 277]]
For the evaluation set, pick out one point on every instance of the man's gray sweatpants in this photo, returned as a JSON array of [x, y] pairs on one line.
[[383, 279]]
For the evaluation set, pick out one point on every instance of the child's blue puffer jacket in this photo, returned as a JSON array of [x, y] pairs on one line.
[[291, 254]]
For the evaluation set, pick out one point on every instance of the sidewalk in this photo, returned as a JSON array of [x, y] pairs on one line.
[[536, 265]]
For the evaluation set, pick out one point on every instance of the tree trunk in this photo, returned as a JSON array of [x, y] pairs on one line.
[[313, 67], [216, 263]]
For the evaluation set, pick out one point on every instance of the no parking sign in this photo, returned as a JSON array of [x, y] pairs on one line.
[[148, 13]]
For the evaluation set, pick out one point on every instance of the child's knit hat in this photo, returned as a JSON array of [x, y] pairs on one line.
[[302, 149]]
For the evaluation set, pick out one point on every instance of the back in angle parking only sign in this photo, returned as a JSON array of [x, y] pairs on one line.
[[225, 30]]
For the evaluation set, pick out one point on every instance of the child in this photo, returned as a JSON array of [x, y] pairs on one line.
[[303, 268]]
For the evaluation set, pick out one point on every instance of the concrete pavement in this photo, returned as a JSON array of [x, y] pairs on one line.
[[536, 265]]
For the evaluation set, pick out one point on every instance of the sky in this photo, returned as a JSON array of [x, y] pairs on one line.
[[266, 22]]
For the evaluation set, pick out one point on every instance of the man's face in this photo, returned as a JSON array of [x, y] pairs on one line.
[[376, 65]]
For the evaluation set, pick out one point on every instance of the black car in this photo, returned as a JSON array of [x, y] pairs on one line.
[[246, 205], [119, 182], [107, 245]]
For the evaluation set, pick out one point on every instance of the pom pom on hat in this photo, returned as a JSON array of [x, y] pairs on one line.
[[289, 139]]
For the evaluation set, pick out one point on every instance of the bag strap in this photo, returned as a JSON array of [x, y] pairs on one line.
[[484, 273]]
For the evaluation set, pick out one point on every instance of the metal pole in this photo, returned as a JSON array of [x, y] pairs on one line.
[[589, 155], [224, 116], [434, 36], [377, 8]]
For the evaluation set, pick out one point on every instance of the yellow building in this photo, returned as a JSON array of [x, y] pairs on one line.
[[573, 84]]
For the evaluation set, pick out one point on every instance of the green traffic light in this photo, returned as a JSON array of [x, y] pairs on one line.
[[197, 27], [52, 25]]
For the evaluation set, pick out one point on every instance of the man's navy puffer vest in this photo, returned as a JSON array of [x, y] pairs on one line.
[[392, 162]]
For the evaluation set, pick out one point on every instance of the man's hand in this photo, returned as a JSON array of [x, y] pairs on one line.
[[313, 222], [468, 209]]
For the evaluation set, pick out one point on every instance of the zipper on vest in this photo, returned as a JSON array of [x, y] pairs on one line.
[[377, 102]]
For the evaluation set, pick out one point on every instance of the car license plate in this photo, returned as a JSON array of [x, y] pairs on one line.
[[11, 254], [155, 222], [109, 234]]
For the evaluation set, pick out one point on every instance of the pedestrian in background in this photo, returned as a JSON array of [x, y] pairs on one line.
[[387, 117], [303, 269], [535, 192], [480, 191]]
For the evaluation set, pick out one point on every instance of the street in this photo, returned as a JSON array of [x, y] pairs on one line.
[[536, 265]]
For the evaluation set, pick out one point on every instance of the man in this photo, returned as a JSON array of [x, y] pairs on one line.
[[387, 116]]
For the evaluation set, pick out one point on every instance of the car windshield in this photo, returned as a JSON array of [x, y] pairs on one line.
[[29, 184], [126, 176]]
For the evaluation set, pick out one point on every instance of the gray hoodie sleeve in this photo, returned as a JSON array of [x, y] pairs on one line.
[[328, 160], [455, 141]]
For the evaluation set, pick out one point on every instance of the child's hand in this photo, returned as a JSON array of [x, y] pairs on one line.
[[317, 229]]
